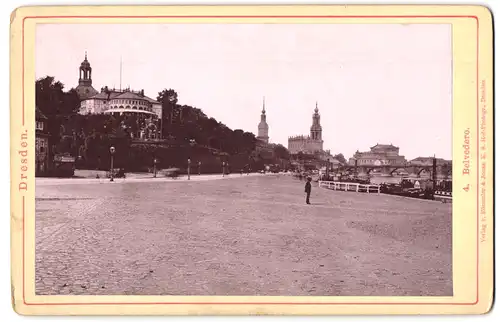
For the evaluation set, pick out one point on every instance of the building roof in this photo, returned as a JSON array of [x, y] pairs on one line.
[[384, 146], [421, 158], [428, 159], [85, 91], [104, 95], [127, 94], [130, 95], [151, 100]]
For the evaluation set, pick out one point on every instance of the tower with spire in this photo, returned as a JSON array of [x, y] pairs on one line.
[[312, 143], [263, 133], [84, 88], [316, 130]]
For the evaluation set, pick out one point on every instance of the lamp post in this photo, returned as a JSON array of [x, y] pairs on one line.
[[155, 161], [355, 167], [327, 170], [112, 151], [199, 167], [223, 167], [192, 143]]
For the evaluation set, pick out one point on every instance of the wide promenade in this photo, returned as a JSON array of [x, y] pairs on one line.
[[241, 235]]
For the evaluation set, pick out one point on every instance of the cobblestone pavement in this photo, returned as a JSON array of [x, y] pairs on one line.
[[247, 236]]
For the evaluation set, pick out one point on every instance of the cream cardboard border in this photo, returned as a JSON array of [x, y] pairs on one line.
[[472, 113]]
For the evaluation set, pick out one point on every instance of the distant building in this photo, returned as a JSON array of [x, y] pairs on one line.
[[42, 164], [427, 161], [380, 154], [262, 146], [84, 88], [118, 102], [308, 144], [263, 129], [113, 101]]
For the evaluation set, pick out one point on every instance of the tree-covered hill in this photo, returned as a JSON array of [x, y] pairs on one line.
[[187, 133]]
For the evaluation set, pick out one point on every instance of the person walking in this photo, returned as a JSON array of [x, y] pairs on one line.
[[308, 190]]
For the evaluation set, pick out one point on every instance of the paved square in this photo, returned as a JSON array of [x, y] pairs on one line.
[[237, 236]]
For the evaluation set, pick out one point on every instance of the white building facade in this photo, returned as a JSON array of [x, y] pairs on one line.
[[112, 100]]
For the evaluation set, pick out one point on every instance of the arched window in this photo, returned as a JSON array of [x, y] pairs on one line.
[[121, 106], [140, 107], [128, 107], [135, 107]]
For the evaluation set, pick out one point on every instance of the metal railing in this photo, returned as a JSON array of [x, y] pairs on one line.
[[349, 186]]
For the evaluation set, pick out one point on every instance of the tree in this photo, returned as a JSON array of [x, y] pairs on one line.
[[168, 99], [340, 157], [281, 152], [51, 99], [57, 106]]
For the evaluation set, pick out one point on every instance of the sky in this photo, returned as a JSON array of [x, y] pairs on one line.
[[374, 83]]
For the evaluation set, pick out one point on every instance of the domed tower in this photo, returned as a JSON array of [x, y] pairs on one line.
[[84, 88], [316, 130], [263, 127]]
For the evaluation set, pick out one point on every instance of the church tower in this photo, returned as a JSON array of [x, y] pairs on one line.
[[263, 127], [316, 130], [84, 88]]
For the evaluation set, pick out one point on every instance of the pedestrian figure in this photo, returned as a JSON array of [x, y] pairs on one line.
[[308, 190]]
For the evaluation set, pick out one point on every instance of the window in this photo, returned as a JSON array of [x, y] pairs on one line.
[[39, 126]]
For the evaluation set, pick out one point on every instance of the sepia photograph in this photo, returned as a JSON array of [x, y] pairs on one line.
[[243, 159], [251, 160]]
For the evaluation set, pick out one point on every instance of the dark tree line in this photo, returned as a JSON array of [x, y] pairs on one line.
[[190, 123]]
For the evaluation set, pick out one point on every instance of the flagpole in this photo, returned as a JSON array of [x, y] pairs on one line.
[[120, 73]]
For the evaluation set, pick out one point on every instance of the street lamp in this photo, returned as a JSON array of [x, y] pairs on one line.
[[199, 167], [189, 169], [327, 170], [223, 167], [112, 151], [155, 161], [355, 167]]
